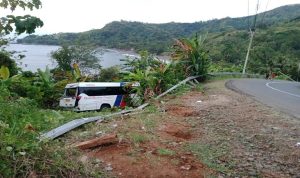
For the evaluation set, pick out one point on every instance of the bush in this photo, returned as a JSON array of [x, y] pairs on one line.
[[21, 152], [5, 60], [109, 74], [191, 56], [153, 75]]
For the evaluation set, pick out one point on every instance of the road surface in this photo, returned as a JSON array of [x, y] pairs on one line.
[[282, 95]]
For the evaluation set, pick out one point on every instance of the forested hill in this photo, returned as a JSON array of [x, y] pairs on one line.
[[275, 47], [158, 38]]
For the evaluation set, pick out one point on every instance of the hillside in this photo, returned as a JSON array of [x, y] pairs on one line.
[[276, 48], [157, 38]]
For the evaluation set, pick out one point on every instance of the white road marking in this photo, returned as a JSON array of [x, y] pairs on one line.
[[268, 85]]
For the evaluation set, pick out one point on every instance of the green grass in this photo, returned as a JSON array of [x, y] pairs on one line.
[[165, 152], [138, 138], [199, 88], [149, 123], [209, 155], [226, 77], [151, 109], [21, 152]]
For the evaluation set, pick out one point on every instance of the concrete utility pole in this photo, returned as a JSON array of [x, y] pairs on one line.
[[248, 52]]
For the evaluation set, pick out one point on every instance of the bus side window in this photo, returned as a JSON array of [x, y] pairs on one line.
[[116, 91], [102, 91], [92, 91]]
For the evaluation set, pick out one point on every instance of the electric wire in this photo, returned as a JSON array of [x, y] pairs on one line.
[[255, 17], [248, 15], [264, 14]]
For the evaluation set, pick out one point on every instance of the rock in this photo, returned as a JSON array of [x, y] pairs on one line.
[[174, 144], [108, 167], [183, 157], [83, 159], [97, 161], [99, 133], [252, 173], [83, 133], [186, 167], [250, 159], [105, 140], [259, 166]]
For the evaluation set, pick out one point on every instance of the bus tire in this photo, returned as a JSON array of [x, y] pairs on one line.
[[105, 106]]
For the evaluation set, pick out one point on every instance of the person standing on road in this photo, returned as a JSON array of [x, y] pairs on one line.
[[267, 75], [273, 75]]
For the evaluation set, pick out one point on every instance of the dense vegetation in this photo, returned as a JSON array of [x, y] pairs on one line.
[[28, 103], [25, 102], [275, 48]]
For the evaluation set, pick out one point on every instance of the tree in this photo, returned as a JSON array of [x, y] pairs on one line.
[[109, 74], [63, 58], [21, 24], [84, 56]]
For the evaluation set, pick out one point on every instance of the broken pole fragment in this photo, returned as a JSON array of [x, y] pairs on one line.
[[100, 141]]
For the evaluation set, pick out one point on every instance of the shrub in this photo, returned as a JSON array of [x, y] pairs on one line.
[[109, 74], [21, 152], [191, 56], [5, 60]]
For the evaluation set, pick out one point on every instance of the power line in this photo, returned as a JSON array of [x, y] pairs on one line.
[[252, 33], [248, 14], [256, 14], [264, 14]]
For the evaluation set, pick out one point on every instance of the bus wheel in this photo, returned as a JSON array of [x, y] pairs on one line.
[[104, 106]]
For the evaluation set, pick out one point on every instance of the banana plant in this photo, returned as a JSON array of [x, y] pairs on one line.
[[146, 79], [45, 78], [4, 73]]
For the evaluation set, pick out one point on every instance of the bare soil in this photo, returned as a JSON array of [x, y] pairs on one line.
[[256, 140], [218, 133]]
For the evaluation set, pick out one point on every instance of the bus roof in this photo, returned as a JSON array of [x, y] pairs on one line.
[[97, 84]]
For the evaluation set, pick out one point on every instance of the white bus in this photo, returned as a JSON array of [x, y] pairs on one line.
[[86, 96]]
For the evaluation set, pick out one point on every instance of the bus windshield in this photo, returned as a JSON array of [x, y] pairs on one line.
[[70, 92]]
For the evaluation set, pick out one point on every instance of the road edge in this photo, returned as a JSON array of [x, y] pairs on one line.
[[229, 85]]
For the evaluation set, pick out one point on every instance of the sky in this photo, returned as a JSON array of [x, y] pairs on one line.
[[77, 15]]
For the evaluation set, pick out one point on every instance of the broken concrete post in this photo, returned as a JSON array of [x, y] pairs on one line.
[[100, 141]]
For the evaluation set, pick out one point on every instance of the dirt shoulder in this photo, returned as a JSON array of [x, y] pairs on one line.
[[245, 137], [217, 133]]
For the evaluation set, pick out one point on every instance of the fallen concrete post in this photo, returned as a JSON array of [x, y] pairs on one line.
[[100, 141]]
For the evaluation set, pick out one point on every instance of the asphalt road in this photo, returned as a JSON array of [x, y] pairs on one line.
[[281, 95]]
